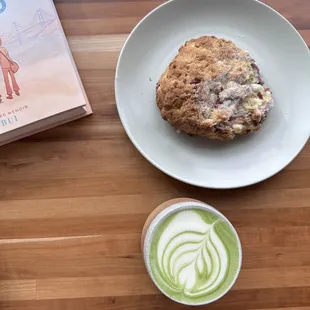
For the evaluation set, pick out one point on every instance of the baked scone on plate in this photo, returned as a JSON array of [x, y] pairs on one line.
[[213, 89]]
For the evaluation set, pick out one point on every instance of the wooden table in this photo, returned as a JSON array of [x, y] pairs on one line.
[[73, 200]]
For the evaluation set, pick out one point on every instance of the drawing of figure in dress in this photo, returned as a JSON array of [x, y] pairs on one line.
[[9, 68]]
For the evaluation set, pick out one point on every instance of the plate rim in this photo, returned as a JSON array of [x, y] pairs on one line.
[[149, 159]]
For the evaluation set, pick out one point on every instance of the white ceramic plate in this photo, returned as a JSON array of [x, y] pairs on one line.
[[283, 58]]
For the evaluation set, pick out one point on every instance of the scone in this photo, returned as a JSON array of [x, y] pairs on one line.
[[213, 89]]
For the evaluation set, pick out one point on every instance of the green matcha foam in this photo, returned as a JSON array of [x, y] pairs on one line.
[[193, 254]]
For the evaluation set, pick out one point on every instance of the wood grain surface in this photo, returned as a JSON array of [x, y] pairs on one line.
[[73, 200]]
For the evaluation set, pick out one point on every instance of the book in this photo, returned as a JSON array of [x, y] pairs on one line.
[[40, 87]]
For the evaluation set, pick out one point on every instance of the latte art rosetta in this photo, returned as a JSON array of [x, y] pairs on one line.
[[190, 257], [194, 256]]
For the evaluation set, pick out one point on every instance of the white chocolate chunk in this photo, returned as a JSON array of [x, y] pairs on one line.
[[238, 128], [257, 88]]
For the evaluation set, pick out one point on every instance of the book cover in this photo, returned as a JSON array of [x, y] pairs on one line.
[[38, 78]]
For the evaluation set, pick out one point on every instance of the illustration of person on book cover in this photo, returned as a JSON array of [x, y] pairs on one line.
[[9, 68]]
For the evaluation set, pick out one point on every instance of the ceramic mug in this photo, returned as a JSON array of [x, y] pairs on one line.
[[180, 212]]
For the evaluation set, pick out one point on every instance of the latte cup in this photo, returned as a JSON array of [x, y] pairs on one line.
[[191, 251]]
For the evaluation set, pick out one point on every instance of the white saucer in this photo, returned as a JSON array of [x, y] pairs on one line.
[[283, 58]]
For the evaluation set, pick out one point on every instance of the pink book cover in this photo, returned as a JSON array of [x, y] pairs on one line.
[[38, 78]]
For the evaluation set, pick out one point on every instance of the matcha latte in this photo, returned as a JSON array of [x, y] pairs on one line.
[[192, 253]]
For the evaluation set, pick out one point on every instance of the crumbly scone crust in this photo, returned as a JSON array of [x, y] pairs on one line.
[[213, 89]]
